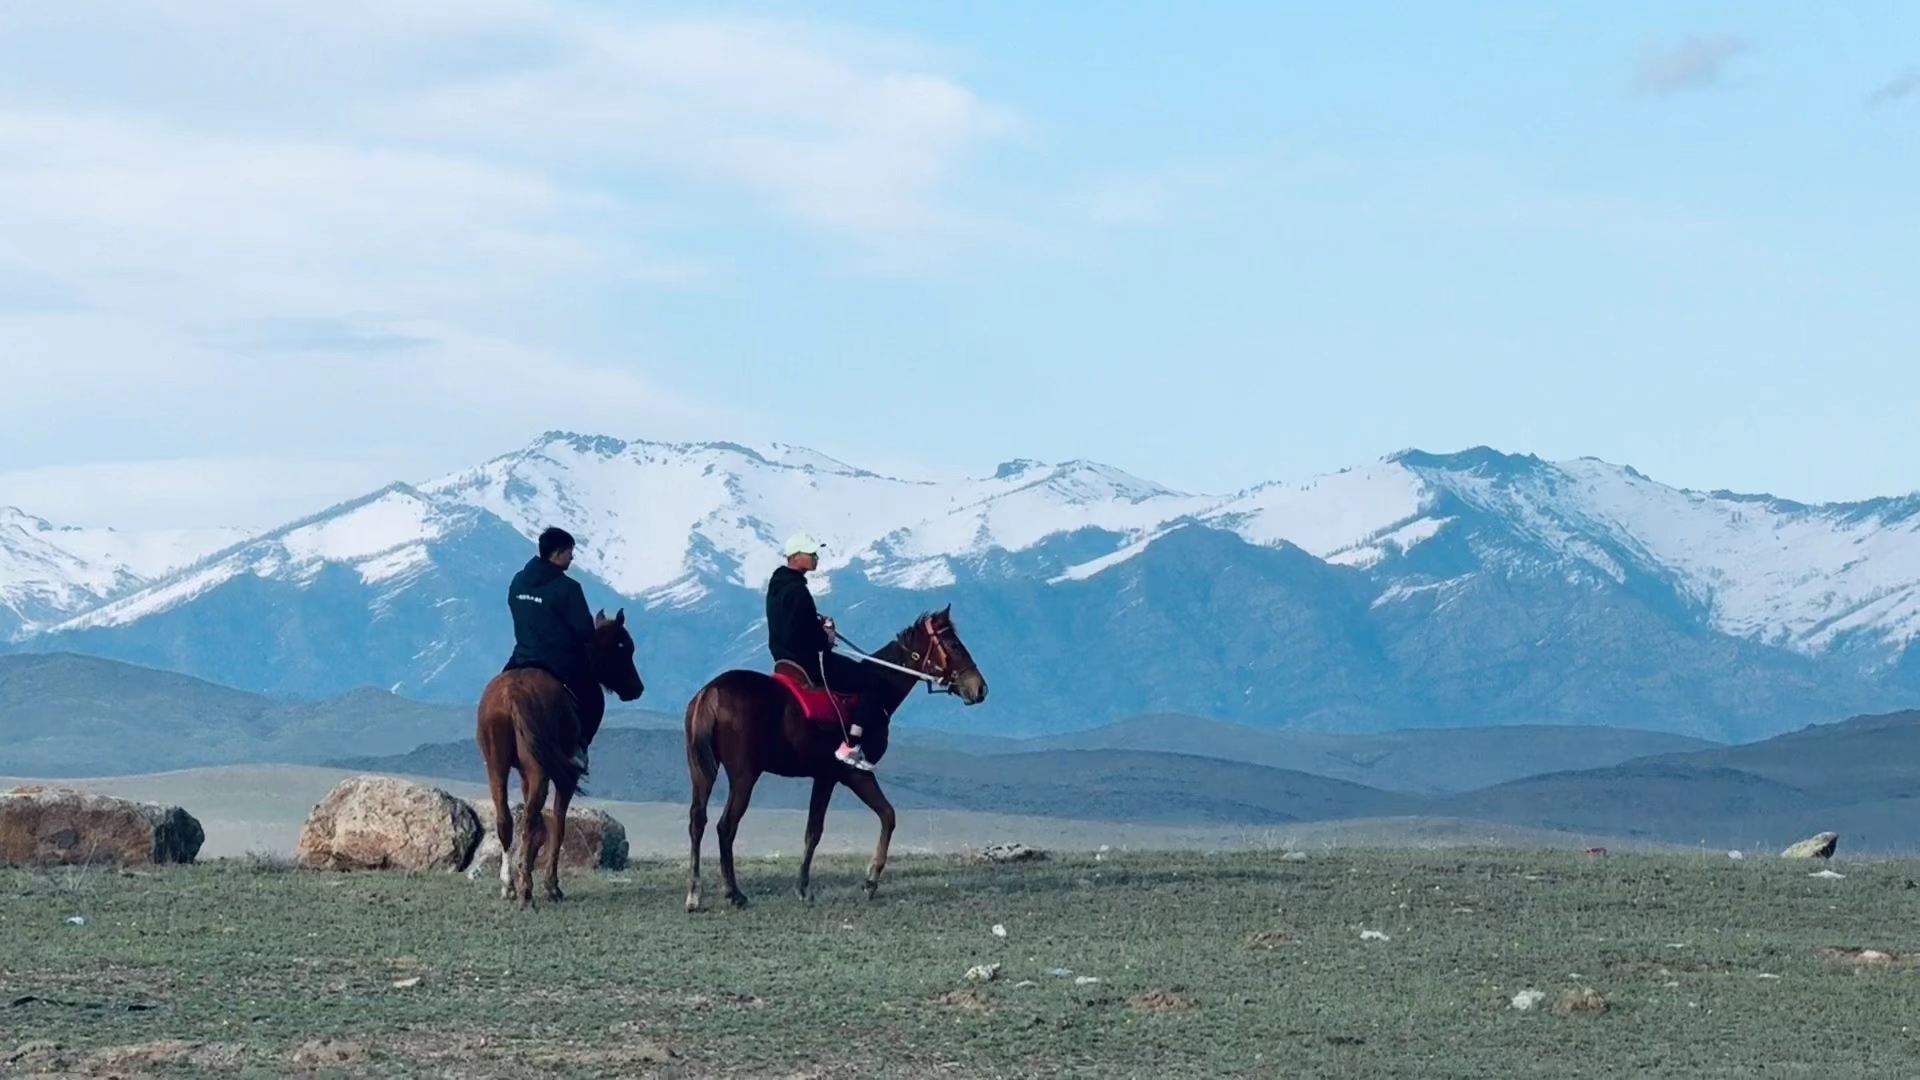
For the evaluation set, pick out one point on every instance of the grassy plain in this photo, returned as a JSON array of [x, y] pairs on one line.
[[1233, 964]]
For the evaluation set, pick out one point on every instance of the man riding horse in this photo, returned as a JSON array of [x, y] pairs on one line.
[[798, 634], [538, 715], [552, 628], [749, 724]]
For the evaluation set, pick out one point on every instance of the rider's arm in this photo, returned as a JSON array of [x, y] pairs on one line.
[[579, 619], [803, 621]]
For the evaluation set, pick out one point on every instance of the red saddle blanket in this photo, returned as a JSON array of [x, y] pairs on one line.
[[818, 705]]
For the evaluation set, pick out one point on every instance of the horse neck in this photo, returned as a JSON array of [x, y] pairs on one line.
[[895, 685], [594, 708]]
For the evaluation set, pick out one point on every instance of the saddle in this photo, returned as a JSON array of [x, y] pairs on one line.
[[817, 705]]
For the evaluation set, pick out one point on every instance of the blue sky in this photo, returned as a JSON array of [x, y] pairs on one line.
[[263, 257]]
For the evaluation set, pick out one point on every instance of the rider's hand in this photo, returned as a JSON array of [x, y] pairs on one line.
[[833, 634]]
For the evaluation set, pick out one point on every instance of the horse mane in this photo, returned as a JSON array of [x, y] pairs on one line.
[[922, 619]]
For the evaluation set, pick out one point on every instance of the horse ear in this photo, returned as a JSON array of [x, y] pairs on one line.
[[600, 618], [946, 613], [620, 617]]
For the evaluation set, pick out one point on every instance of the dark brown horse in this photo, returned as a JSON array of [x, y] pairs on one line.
[[529, 721], [750, 725]]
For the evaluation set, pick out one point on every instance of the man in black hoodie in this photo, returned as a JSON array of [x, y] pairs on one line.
[[552, 627], [796, 632]]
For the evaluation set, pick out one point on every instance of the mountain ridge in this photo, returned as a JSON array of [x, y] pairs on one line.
[[1425, 589]]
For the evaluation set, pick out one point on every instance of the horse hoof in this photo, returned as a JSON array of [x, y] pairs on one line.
[[805, 892], [738, 900], [872, 887], [554, 894]]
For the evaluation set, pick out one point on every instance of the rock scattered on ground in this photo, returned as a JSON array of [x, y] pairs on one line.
[[1011, 853], [595, 841], [1851, 957], [1580, 1000], [1814, 847], [384, 823], [1161, 1001], [51, 826]]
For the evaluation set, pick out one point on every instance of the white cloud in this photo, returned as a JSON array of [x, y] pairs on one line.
[[756, 106], [1694, 63], [243, 233]]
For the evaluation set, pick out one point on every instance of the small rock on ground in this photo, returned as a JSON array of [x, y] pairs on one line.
[[1525, 1000], [1814, 847], [1868, 958], [1580, 999], [1008, 853]]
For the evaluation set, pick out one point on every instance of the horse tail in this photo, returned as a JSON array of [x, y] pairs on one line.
[[534, 726], [701, 759]]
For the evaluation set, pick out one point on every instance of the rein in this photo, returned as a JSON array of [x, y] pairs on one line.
[[939, 681]]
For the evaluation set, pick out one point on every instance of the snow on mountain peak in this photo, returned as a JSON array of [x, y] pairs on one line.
[[660, 519], [49, 571], [670, 522], [384, 536], [1346, 517]]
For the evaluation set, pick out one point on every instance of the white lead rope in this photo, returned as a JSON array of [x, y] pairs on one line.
[[847, 650]]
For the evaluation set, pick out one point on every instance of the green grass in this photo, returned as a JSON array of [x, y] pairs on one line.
[[254, 962]]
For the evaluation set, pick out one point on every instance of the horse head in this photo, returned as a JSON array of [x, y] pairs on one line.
[[612, 656], [934, 646]]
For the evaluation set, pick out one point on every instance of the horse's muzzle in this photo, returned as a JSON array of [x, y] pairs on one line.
[[971, 688]]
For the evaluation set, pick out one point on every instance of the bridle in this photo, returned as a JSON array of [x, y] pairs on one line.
[[936, 665]]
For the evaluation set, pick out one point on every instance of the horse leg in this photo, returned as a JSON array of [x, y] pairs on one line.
[[536, 805], [696, 831], [739, 793], [520, 833], [816, 824], [557, 839], [498, 765], [864, 785]]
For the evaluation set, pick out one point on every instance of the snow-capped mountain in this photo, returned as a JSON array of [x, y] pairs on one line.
[[383, 539], [1418, 589], [673, 522], [49, 572]]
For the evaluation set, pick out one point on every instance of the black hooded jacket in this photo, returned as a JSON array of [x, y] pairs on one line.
[[551, 624], [793, 623]]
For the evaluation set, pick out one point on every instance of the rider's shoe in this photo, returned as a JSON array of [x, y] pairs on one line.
[[852, 756]]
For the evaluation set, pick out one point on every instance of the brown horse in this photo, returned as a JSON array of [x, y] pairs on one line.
[[529, 721], [749, 724]]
